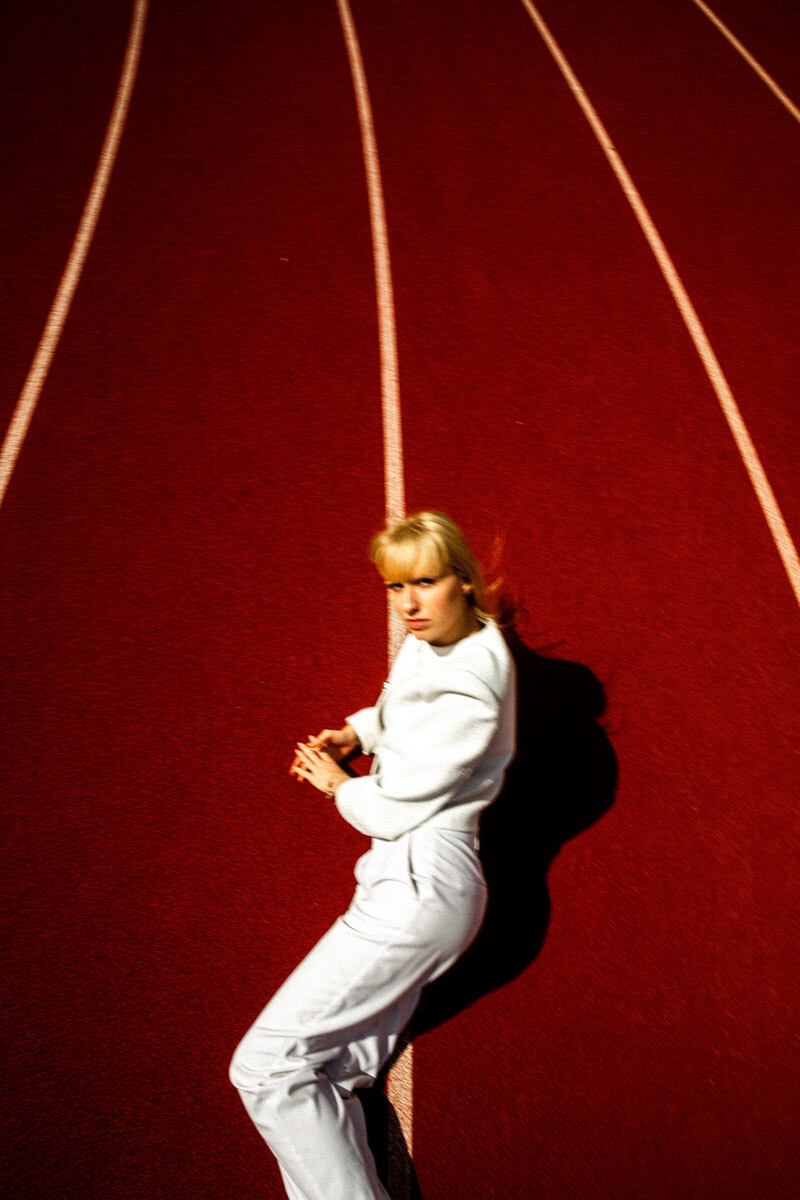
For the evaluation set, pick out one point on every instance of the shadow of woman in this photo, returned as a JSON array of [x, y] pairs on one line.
[[561, 781]]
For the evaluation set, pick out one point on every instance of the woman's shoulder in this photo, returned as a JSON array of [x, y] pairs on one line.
[[486, 655], [483, 655]]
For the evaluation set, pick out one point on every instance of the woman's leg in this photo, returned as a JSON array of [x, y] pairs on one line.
[[332, 1025]]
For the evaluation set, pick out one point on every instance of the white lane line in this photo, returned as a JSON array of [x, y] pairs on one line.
[[390, 387], [766, 497], [48, 343], [399, 1085], [753, 62]]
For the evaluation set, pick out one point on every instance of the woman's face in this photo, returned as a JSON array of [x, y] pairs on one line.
[[434, 607]]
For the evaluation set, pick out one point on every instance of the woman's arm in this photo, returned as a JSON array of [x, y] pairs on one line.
[[364, 724], [445, 745]]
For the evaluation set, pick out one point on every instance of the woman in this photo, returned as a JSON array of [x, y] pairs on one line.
[[442, 734]]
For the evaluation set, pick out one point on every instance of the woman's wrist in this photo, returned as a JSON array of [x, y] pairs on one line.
[[334, 783], [351, 734]]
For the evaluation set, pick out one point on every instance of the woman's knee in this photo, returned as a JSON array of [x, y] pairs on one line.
[[237, 1071], [266, 1061], [254, 1065]]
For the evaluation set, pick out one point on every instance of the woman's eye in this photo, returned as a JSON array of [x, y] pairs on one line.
[[426, 582], [394, 587]]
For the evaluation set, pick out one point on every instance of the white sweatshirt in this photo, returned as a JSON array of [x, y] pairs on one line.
[[442, 734]]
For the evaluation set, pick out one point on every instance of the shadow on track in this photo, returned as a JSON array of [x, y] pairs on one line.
[[561, 781]]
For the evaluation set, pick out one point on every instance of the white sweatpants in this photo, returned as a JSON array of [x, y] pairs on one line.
[[418, 904]]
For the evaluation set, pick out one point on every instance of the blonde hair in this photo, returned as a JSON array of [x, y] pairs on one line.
[[428, 543]]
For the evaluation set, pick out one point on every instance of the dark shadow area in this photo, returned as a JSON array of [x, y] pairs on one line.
[[561, 781]]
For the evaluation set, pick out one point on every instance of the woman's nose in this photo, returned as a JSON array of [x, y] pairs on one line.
[[409, 599]]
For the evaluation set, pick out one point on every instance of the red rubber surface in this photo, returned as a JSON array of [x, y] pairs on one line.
[[186, 591]]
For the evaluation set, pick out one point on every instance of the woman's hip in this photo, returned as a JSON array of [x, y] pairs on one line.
[[425, 888]]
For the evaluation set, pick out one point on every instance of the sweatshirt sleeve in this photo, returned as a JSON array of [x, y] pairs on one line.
[[365, 723], [430, 749]]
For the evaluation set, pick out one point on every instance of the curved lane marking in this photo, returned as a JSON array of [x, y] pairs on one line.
[[758, 478], [399, 1084], [390, 386], [753, 62], [48, 343]]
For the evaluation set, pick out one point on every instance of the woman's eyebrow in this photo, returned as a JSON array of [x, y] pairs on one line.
[[416, 580]]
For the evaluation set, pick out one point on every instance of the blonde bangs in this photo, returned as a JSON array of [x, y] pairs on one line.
[[409, 557]]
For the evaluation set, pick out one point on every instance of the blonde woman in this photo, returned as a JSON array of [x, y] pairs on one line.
[[441, 736]]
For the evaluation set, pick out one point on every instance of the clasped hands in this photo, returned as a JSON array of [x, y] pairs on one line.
[[317, 760]]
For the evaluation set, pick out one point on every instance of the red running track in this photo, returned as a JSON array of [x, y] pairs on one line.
[[186, 593]]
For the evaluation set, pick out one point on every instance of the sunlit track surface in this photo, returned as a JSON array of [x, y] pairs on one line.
[[186, 590]]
